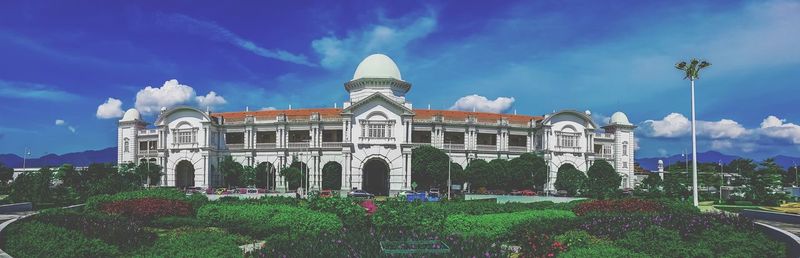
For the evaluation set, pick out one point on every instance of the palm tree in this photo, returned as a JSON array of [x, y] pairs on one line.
[[692, 72]]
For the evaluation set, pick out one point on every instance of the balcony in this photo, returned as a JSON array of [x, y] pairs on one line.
[[297, 145], [448, 146], [235, 146], [483, 147], [266, 145], [144, 132], [604, 156], [603, 136], [148, 153], [518, 149], [331, 145]]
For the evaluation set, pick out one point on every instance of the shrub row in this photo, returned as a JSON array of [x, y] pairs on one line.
[[148, 208], [483, 207], [353, 215], [720, 241], [493, 226], [195, 243], [617, 225], [37, 239], [617, 205], [261, 220], [159, 193], [115, 230]]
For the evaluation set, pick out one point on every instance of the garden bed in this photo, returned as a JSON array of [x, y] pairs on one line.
[[143, 224]]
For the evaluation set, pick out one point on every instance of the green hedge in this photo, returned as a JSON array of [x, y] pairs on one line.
[[36, 239], [261, 220], [353, 216], [601, 251], [195, 243], [159, 193], [115, 230], [493, 226], [398, 215], [176, 222]]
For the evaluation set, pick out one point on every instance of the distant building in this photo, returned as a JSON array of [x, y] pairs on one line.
[[371, 137]]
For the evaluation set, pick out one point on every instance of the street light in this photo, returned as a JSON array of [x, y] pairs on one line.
[[449, 185], [692, 72]]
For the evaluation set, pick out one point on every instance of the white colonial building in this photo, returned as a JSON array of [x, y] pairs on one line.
[[371, 137]]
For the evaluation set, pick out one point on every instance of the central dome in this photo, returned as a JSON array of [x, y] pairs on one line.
[[377, 66]]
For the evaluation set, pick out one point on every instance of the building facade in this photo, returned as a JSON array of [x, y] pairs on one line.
[[370, 137]]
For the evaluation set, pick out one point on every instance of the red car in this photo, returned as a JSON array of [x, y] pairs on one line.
[[527, 193]]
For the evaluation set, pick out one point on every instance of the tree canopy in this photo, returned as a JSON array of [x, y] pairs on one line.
[[429, 167], [602, 179], [570, 179], [231, 171]]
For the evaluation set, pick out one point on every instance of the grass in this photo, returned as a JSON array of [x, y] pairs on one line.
[[737, 208]]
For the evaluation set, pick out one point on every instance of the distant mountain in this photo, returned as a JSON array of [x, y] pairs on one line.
[[84, 158], [709, 156]]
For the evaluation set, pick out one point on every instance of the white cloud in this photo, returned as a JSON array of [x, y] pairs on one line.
[[389, 36], [774, 127], [216, 32], [112, 108], [269, 108], [480, 103], [676, 125], [150, 100], [61, 122], [34, 91], [671, 126], [211, 99]]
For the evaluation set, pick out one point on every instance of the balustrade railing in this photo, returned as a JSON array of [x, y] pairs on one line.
[[483, 147]]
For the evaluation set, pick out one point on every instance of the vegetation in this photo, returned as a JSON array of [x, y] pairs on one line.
[[570, 179], [602, 180], [231, 171], [332, 176]]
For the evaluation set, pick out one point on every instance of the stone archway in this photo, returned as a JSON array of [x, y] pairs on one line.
[[184, 174], [332, 176], [375, 174]]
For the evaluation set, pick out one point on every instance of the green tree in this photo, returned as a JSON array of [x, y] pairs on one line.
[[292, 176], [602, 180], [763, 185], [264, 175], [570, 179], [332, 176], [6, 174], [521, 171], [32, 186], [69, 176], [499, 174], [149, 173], [248, 176], [478, 174], [429, 167], [231, 171], [676, 185], [651, 186]]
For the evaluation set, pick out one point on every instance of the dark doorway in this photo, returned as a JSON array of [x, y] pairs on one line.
[[184, 174], [376, 177]]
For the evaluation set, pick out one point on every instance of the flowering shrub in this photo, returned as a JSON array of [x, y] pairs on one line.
[[95, 202], [617, 205], [369, 205], [348, 209], [541, 245], [615, 226], [601, 251], [148, 208]]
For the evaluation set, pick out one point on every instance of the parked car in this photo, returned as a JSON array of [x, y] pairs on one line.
[[528, 193], [516, 192], [242, 191], [261, 190], [360, 194], [222, 191], [326, 194]]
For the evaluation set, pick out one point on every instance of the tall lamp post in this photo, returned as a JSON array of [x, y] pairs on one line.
[[449, 185], [692, 72]]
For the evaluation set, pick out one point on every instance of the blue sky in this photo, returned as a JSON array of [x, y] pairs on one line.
[[68, 69]]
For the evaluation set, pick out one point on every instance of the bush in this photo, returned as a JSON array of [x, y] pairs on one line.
[[617, 206], [615, 226], [197, 200], [494, 226], [36, 239], [396, 215], [291, 201], [260, 220], [661, 242], [727, 241], [115, 230], [195, 243], [158, 193], [601, 251], [148, 208], [349, 211], [176, 222]]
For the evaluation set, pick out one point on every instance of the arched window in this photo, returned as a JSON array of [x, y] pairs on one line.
[[624, 148], [125, 145]]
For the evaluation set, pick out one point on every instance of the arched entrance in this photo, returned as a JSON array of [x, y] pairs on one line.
[[184, 174], [376, 177], [332, 176], [265, 175]]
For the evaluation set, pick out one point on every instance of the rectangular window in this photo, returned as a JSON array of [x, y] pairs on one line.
[[377, 131], [332, 135], [518, 140], [624, 164], [569, 140], [234, 138], [185, 136], [265, 137], [453, 138], [421, 136]]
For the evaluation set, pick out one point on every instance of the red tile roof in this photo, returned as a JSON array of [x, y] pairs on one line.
[[419, 114]]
